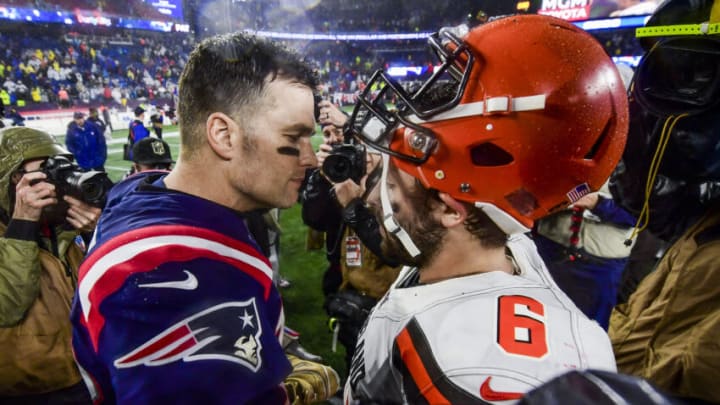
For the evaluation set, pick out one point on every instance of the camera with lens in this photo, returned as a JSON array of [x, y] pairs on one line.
[[345, 161], [91, 186]]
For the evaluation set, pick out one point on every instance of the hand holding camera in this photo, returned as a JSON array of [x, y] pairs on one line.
[[59, 191], [339, 156], [32, 194], [330, 114], [347, 191], [90, 186], [323, 152], [81, 216]]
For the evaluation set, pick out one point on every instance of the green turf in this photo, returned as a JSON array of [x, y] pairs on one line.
[[303, 299]]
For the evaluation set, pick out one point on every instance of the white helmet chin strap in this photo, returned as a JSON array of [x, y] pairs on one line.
[[388, 220]]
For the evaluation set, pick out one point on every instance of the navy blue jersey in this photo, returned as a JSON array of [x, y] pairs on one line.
[[175, 304]]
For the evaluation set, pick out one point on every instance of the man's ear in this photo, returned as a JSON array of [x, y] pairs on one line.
[[221, 132], [453, 212]]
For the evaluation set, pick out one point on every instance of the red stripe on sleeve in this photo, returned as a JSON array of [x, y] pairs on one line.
[[165, 230], [114, 277], [417, 369]]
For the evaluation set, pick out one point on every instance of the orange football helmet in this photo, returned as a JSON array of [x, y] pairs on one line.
[[524, 116]]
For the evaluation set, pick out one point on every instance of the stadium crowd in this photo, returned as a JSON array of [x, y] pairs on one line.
[[50, 66], [44, 70]]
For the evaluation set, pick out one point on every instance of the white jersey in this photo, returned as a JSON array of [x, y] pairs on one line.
[[482, 338]]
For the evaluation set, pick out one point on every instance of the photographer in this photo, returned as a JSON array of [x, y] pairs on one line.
[[38, 272], [321, 213], [357, 275]]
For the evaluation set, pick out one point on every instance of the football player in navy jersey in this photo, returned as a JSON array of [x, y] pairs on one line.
[[488, 144], [175, 302]]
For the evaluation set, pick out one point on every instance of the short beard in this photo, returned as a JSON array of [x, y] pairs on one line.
[[427, 234]]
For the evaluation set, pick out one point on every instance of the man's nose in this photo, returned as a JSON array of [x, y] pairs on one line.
[[307, 155]]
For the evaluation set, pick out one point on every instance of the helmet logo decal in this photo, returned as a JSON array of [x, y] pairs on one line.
[[577, 192]]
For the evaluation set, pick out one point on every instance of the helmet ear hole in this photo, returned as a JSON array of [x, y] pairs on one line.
[[600, 141], [489, 154]]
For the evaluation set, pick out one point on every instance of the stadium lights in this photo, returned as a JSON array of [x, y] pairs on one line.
[[613, 23], [588, 25], [88, 18], [339, 37], [628, 60]]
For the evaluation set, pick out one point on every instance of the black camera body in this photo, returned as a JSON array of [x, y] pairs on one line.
[[346, 161], [90, 187], [317, 98]]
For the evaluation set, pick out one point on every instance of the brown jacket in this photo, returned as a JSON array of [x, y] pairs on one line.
[[35, 354], [371, 277], [669, 331]]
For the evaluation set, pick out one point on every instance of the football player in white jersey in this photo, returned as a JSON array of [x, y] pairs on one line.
[[525, 115]]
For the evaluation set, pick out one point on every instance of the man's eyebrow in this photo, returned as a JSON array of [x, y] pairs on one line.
[[301, 128]]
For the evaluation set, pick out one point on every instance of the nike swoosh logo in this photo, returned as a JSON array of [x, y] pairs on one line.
[[489, 394], [190, 283]]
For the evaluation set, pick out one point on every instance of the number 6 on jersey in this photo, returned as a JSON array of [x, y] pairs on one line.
[[521, 327]]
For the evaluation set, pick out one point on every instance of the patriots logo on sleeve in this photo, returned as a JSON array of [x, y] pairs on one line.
[[229, 331]]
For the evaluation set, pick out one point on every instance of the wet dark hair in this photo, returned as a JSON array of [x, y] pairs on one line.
[[229, 73]]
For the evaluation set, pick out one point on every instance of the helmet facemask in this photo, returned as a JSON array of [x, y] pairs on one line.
[[375, 124]]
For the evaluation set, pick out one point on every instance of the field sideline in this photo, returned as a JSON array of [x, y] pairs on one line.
[[303, 299]]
